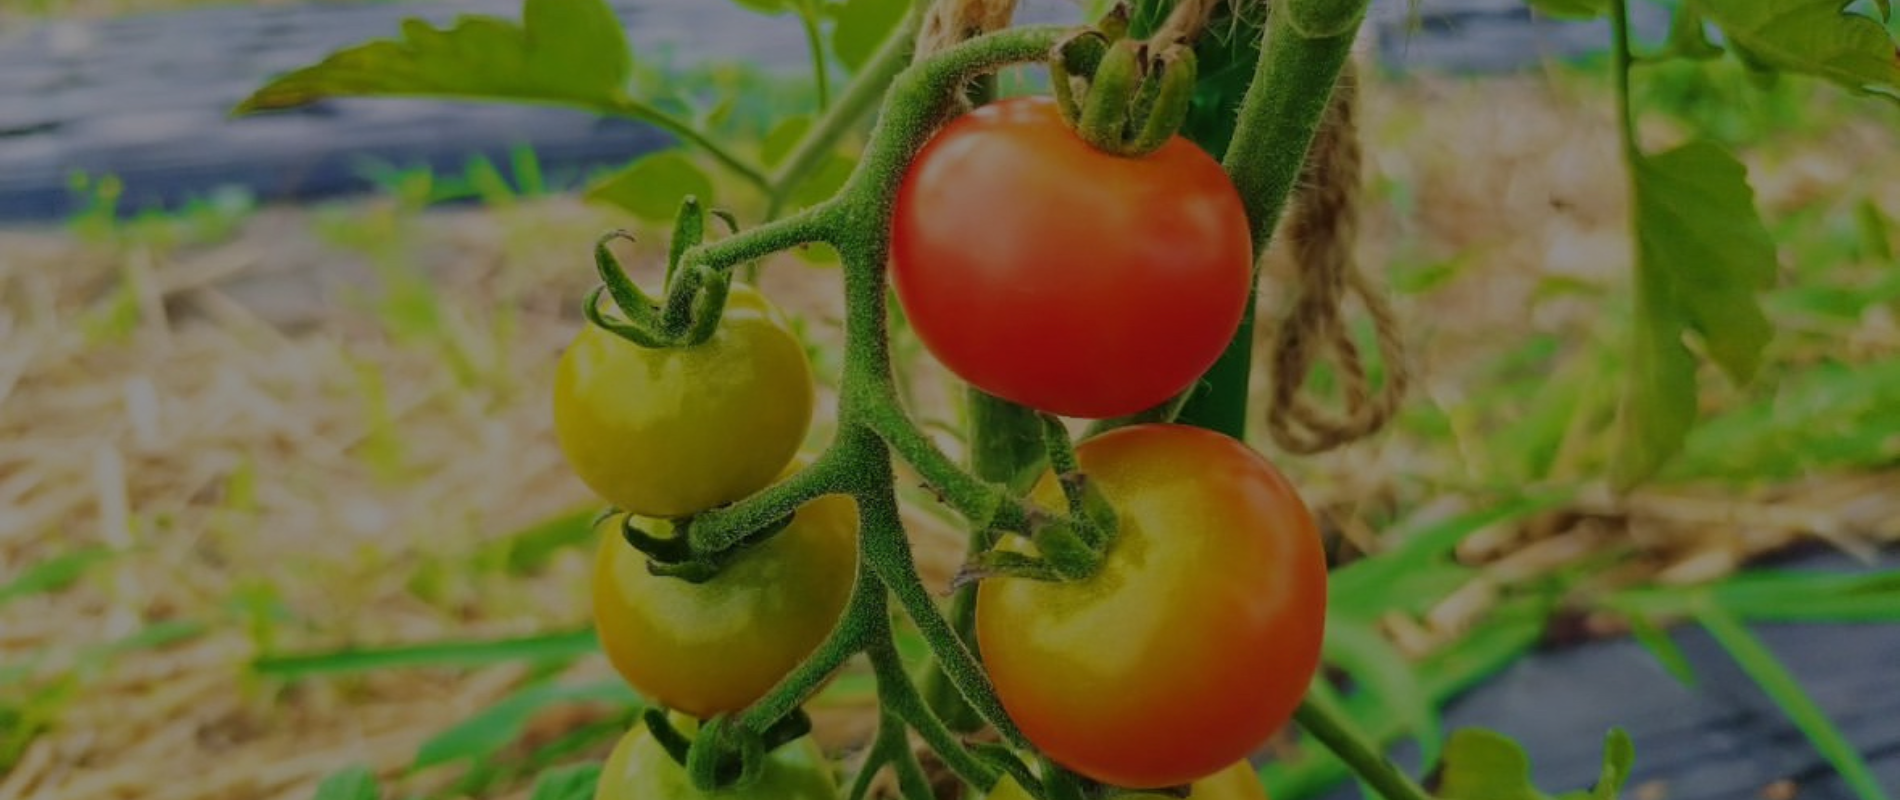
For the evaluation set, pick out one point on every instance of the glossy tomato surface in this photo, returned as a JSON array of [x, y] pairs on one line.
[[1047, 272], [706, 648], [1195, 640], [639, 769], [1237, 782], [674, 431]]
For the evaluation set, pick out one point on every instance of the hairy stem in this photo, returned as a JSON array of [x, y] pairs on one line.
[[901, 697], [1279, 117], [855, 629]]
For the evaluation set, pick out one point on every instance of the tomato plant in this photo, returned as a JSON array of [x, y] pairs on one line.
[[1071, 280], [715, 646], [1156, 608], [1205, 616], [1239, 781], [640, 769], [666, 432]]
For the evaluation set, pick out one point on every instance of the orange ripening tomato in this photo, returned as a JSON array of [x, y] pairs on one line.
[[1196, 639]]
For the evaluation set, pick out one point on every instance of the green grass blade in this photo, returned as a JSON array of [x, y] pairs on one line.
[[548, 647], [1382, 672], [53, 574], [487, 732], [355, 783], [1761, 665]]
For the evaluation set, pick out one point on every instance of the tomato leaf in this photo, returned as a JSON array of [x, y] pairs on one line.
[[1703, 256], [862, 26], [1689, 36], [1571, 9], [574, 782], [653, 187], [570, 52], [1814, 37], [355, 783], [783, 137], [501, 724], [1482, 765]]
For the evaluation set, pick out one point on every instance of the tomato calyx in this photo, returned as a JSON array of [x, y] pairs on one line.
[[723, 753], [674, 556], [1123, 96], [695, 299], [1069, 547]]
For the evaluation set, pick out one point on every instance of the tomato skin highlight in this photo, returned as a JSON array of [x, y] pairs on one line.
[[718, 646], [1197, 638], [1237, 782], [639, 769], [675, 431], [1055, 275]]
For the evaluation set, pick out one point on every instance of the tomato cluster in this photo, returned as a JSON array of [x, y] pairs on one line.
[[1064, 278]]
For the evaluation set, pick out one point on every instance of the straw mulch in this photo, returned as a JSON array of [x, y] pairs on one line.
[[257, 449]]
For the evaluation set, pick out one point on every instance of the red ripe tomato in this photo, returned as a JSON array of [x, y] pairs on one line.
[[1195, 640], [1047, 272]]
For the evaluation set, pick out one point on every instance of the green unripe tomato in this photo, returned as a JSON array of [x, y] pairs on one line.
[[674, 431], [639, 769]]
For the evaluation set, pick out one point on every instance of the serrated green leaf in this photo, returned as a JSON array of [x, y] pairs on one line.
[[1482, 765], [1703, 257], [653, 187], [1689, 36], [567, 783], [499, 725], [1814, 37], [783, 137], [570, 52], [1379, 669], [862, 27], [1571, 9], [355, 783]]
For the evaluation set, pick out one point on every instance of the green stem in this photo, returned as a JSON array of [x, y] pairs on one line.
[[900, 696], [814, 40], [1279, 116], [718, 529], [1328, 723], [1623, 61], [888, 550], [860, 98], [634, 109], [986, 505], [856, 628]]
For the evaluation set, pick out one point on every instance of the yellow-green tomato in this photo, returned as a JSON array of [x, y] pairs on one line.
[[706, 648], [1237, 782], [674, 431], [639, 769]]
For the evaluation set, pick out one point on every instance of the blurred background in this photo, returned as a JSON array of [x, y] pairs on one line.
[[280, 501]]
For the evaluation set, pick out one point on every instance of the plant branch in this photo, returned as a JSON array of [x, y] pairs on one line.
[[1623, 62], [814, 40], [855, 629], [1326, 722], [860, 98], [718, 529], [901, 697], [1306, 46], [686, 133]]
